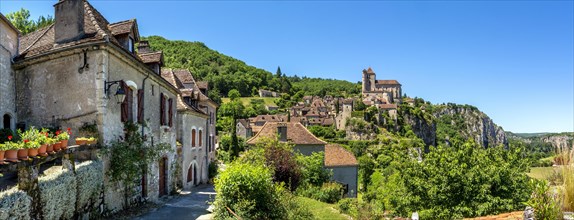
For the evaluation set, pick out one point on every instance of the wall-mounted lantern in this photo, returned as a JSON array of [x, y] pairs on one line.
[[120, 92]]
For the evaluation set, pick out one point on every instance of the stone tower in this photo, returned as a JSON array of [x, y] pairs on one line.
[[8, 50], [369, 78]]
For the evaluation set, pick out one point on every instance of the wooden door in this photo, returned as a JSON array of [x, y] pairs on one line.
[[162, 177]]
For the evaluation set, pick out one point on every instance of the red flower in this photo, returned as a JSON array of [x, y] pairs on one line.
[[57, 132], [10, 137], [26, 141], [69, 129], [46, 134]]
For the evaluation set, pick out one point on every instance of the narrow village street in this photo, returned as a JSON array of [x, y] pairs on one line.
[[192, 205]]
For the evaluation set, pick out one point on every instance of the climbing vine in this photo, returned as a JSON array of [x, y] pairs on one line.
[[131, 156]]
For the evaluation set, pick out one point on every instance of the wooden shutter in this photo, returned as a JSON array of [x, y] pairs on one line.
[[124, 105], [161, 109], [140, 106], [170, 113], [130, 103]]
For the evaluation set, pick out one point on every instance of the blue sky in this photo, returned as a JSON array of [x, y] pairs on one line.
[[514, 60]]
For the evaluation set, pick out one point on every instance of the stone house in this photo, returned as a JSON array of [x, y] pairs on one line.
[[69, 74], [191, 134], [194, 94], [344, 166], [291, 132], [8, 50], [383, 91], [244, 129], [267, 93]]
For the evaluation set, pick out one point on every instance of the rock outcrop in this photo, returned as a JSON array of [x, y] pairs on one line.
[[472, 123], [561, 141]]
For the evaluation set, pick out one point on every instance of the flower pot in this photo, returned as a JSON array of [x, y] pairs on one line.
[[23, 154], [91, 142], [11, 155], [42, 150], [32, 152], [57, 146], [2, 156], [80, 142], [64, 144], [50, 148]]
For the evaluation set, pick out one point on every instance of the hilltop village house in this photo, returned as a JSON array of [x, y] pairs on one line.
[[76, 71], [383, 94], [342, 162]]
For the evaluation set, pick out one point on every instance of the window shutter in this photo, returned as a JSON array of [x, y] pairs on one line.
[[124, 106], [130, 103], [170, 113], [140, 106], [161, 109]]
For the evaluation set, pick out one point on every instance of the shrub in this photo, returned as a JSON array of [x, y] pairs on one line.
[[279, 157], [329, 192], [213, 168], [15, 204], [58, 190], [312, 169], [89, 179], [545, 203], [249, 191]]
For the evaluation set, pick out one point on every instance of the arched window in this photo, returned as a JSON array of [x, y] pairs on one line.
[[200, 139], [7, 121], [193, 138]]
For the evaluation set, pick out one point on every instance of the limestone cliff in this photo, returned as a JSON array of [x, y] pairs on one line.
[[562, 140], [463, 122], [424, 129]]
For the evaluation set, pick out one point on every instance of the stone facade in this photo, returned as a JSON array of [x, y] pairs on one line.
[[377, 92], [348, 176], [70, 79], [8, 50], [194, 155]]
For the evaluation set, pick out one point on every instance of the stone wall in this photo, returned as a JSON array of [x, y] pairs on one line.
[[192, 156], [8, 49], [346, 175]]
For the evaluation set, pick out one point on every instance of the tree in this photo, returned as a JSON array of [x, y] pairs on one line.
[[278, 73], [21, 20]]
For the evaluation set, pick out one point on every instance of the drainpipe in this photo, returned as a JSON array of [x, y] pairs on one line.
[[143, 98]]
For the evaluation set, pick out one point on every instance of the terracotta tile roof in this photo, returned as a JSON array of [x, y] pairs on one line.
[[244, 122], [267, 118], [153, 57], [369, 71], [387, 106], [387, 82], [185, 77], [328, 122], [336, 155], [203, 84], [169, 76], [42, 41], [124, 27], [296, 134], [348, 101]]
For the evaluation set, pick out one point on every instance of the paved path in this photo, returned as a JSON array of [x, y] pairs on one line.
[[190, 205]]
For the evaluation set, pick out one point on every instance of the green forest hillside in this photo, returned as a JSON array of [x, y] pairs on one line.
[[225, 73]]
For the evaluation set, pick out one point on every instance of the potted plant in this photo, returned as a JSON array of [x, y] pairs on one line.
[[92, 140], [33, 147], [2, 152], [57, 144], [23, 150], [50, 144], [43, 141], [63, 138], [11, 149], [81, 140]]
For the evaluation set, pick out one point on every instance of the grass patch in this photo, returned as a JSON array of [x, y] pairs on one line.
[[270, 101], [541, 173], [321, 210]]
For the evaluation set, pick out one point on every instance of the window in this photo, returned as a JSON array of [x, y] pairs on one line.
[[140, 106], [161, 109], [192, 137], [200, 139], [211, 119], [126, 107], [170, 112], [131, 44]]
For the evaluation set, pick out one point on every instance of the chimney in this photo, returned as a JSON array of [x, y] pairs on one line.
[[143, 47], [69, 20], [282, 131]]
